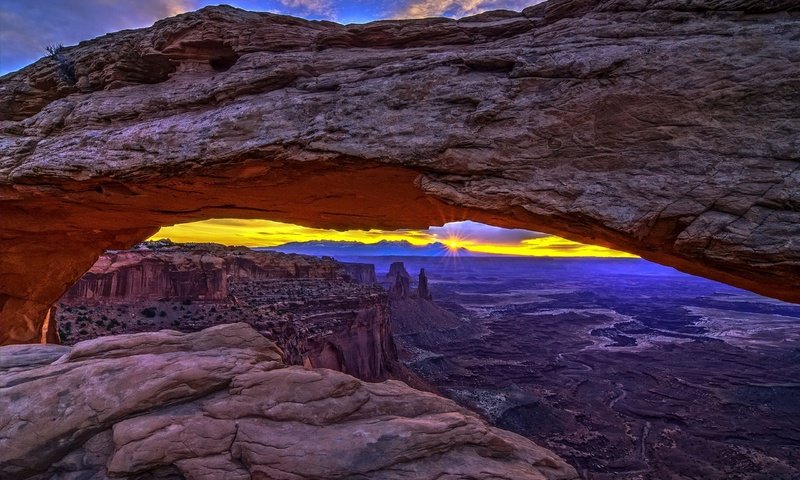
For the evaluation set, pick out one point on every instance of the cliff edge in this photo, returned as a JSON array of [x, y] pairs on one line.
[[220, 404]]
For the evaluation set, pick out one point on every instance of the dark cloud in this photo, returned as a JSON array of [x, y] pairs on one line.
[[455, 8], [480, 233]]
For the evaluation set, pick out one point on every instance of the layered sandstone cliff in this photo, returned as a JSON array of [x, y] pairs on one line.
[[163, 270], [315, 309], [221, 404], [668, 129]]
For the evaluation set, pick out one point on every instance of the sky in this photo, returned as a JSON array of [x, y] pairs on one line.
[[27, 26], [473, 236]]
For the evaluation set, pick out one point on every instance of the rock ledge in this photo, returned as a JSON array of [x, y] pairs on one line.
[[220, 404]]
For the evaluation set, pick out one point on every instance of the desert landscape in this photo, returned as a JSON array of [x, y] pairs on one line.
[[524, 181], [626, 369]]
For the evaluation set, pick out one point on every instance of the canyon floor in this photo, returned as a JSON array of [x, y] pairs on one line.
[[627, 369]]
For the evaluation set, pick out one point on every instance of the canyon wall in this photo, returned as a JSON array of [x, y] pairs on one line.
[[359, 272], [668, 129], [162, 270], [315, 309]]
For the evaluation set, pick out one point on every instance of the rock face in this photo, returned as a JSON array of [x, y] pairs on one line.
[[158, 270], [220, 404], [311, 307], [668, 129], [422, 286], [401, 287], [398, 282], [359, 272], [416, 318], [414, 314], [397, 269]]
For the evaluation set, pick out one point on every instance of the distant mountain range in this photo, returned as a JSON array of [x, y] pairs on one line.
[[384, 248]]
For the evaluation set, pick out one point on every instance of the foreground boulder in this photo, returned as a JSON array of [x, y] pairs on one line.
[[220, 404], [668, 129]]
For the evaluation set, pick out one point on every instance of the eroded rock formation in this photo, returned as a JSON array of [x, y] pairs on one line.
[[359, 272], [414, 314], [163, 270], [396, 269], [399, 281], [311, 307], [668, 129], [422, 286], [220, 404]]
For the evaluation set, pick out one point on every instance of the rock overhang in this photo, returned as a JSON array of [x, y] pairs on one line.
[[669, 131]]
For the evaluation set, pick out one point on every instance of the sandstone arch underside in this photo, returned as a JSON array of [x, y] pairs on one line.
[[665, 129]]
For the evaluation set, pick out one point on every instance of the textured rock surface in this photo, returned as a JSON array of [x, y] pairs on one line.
[[422, 286], [159, 270], [219, 404], [668, 129], [398, 283], [400, 287], [313, 308], [360, 272]]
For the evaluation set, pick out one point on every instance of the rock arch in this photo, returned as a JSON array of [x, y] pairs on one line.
[[669, 131]]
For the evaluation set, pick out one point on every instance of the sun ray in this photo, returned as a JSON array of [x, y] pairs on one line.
[[456, 238]]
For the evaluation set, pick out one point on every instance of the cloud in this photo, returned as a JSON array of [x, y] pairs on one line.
[[457, 8], [318, 9], [473, 236], [322, 8], [480, 233], [27, 27]]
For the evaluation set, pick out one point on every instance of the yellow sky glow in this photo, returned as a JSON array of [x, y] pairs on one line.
[[266, 233]]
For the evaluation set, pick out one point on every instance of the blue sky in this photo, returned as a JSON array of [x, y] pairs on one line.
[[27, 26]]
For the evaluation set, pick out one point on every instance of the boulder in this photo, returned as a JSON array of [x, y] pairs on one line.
[[220, 404]]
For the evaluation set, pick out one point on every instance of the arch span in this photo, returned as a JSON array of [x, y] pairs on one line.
[[579, 119]]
